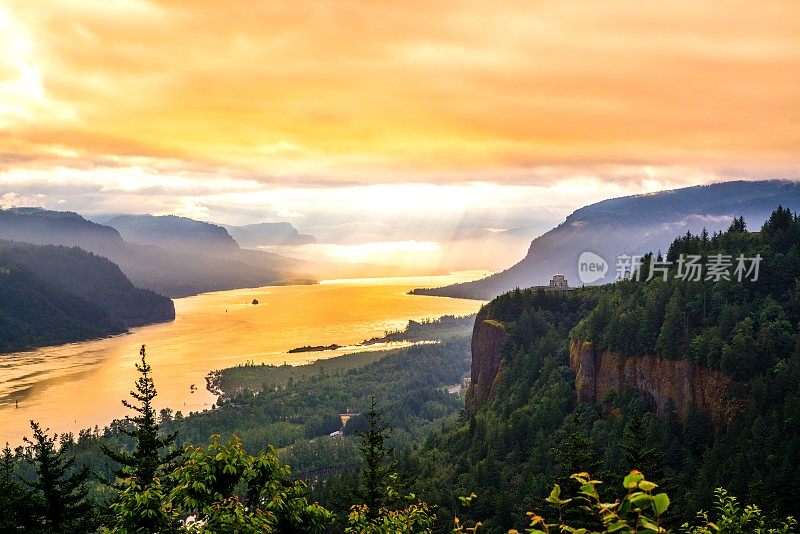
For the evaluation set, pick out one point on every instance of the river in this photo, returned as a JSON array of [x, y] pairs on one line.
[[80, 385]]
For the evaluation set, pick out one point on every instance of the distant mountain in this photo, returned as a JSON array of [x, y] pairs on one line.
[[183, 274], [631, 225], [268, 234], [55, 294], [214, 262], [45, 227], [176, 234]]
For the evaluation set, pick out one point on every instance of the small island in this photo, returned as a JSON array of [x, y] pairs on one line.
[[314, 348], [255, 301]]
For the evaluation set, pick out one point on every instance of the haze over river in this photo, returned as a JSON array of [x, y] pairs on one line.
[[80, 385]]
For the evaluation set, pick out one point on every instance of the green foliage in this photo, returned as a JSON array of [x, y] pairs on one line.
[[642, 508], [141, 508], [146, 461], [411, 382], [18, 506], [59, 487], [376, 456], [732, 518], [519, 442], [229, 490], [416, 518]]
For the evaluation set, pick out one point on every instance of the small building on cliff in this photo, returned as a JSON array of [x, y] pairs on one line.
[[559, 282]]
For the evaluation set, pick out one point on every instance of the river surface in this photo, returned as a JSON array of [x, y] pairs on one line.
[[80, 385]]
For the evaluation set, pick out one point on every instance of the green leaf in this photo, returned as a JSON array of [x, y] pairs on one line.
[[632, 480], [646, 485], [641, 499], [617, 526], [646, 523], [554, 495], [589, 489], [661, 503]]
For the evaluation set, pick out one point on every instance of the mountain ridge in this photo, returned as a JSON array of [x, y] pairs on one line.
[[268, 234], [630, 225], [186, 271]]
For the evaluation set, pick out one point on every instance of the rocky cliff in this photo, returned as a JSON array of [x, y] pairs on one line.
[[658, 379], [487, 336]]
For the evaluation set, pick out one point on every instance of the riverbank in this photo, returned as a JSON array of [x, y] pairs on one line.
[[79, 385], [227, 383]]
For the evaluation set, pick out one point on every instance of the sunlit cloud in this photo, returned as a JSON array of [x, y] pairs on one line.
[[380, 91], [394, 121]]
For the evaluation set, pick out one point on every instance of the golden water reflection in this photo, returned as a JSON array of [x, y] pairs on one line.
[[80, 385]]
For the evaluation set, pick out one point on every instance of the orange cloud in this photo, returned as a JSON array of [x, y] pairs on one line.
[[383, 90]]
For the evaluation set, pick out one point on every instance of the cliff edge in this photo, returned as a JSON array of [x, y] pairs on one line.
[[658, 379], [487, 336]]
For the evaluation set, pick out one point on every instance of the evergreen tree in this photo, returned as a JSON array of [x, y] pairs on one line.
[[146, 461], [59, 484], [672, 339], [738, 225], [18, 505], [636, 453], [375, 475], [575, 454]]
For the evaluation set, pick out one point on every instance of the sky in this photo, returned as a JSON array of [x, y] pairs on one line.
[[405, 122]]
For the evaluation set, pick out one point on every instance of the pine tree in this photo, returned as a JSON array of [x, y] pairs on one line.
[[738, 225], [375, 475], [636, 453], [59, 484], [576, 454], [146, 462], [18, 505]]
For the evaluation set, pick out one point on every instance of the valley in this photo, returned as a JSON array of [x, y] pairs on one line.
[[78, 385]]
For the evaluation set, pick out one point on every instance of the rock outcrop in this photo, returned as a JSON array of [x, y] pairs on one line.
[[658, 379], [487, 336]]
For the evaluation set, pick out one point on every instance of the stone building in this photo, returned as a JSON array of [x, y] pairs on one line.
[[558, 282]]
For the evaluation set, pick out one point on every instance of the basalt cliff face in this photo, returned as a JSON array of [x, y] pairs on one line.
[[487, 336], [658, 379], [661, 380]]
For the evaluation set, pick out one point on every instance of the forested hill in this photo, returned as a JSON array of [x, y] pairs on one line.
[[630, 225], [193, 257], [54, 294], [696, 383], [33, 313]]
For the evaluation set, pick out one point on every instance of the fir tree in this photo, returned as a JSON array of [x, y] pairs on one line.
[[59, 484], [636, 453], [146, 462], [18, 506], [375, 475], [738, 225]]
